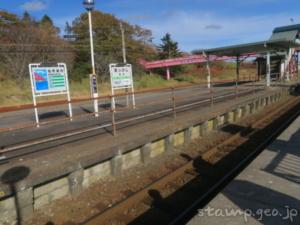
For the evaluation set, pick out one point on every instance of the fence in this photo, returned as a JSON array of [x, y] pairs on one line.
[[161, 101]]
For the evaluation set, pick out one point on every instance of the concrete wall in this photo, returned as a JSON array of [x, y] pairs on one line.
[[37, 197]]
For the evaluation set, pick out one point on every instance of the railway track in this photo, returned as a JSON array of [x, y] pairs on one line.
[[21, 149], [174, 198], [8, 109]]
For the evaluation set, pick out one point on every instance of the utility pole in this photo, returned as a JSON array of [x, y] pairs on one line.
[[124, 56], [123, 42]]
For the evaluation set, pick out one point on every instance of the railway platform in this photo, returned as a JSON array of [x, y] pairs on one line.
[[266, 192], [57, 122], [50, 170]]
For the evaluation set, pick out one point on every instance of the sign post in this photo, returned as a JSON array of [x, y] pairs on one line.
[[49, 81], [94, 92], [121, 78]]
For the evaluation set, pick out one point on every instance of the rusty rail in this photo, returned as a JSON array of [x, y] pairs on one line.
[[118, 209], [86, 99], [171, 90], [159, 101], [113, 124]]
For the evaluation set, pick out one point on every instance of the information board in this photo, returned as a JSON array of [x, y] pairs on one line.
[[93, 84], [121, 75], [49, 79], [121, 78]]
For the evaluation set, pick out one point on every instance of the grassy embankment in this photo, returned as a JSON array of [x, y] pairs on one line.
[[13, 94]]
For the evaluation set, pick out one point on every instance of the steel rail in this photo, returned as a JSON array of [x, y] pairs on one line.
[[85, 115], [57, 137], [79, 100], [232, 173], [136, 197], [20, 126]]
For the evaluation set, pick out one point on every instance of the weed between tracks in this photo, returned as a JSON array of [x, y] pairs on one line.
[[160, 204]]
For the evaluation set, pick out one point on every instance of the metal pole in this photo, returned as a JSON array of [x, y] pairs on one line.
[[208, 70], [208, 76], [288, 76], [114, 122], [168, 73], [123, 43], [133, 97], [237, 76], [297, 65], [253, 87], [124, 58], [36, 113], [94, 95], [282, 66], [211, 96], [113, 102], [268, 69], [113, 118], [174, 103], [254, 78], [68, 94]]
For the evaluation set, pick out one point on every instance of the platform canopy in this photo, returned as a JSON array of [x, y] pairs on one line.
[[282, 39], [251, 48]]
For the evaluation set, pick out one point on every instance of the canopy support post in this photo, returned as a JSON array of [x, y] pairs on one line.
[[168, 73], [268, 67], [208, 70], [238, 62]]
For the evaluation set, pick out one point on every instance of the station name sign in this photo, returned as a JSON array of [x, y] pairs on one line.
[[121, 75]]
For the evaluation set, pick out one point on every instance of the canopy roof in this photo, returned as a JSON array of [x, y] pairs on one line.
[[250, 48], [282, 39], [287, 28]]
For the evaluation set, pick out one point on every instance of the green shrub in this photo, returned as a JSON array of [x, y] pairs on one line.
[[149, 81]]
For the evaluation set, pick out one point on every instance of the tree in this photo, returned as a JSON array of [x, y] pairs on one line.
[[169, 48], [27, 42], [7, 18], [46, 21], [68, 29], [108, 42], [47, 25], [26, 18]]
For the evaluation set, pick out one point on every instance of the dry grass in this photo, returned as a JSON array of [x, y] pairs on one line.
[[13, 94]]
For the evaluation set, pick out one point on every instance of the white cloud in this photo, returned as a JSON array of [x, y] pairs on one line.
[[213, 27], [34, 6], [190, 28]]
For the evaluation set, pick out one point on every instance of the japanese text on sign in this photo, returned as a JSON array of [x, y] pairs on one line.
[[121, 75], [49, 79]]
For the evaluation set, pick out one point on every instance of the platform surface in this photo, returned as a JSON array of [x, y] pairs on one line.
[[146, 103], [46, 163], [268, 189]]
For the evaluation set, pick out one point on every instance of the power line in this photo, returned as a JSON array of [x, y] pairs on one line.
[[67, 46]]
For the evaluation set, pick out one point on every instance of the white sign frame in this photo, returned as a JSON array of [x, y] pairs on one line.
[[65, 90], [128, 84]]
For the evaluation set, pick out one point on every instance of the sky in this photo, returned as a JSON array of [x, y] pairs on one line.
[[194, 24]]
